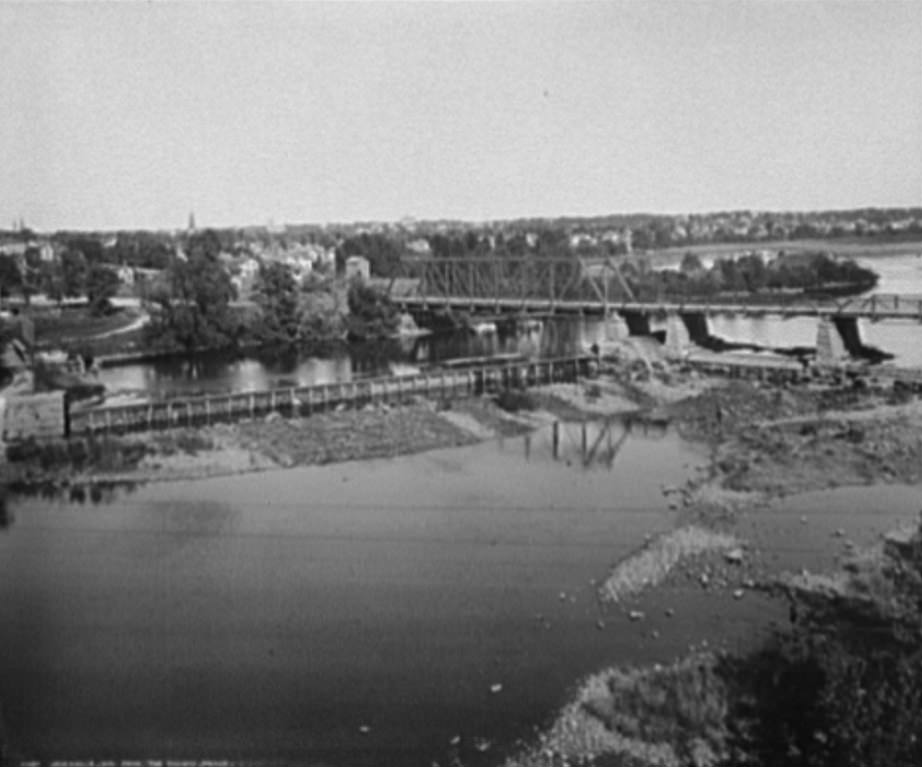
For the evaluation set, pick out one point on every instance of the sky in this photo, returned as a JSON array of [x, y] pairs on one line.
[[132, 115]]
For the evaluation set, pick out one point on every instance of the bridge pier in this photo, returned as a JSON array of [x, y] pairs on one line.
[[830, 347], [615, 327], [850, 334], [696, 323], [677, 336], [638, 323]]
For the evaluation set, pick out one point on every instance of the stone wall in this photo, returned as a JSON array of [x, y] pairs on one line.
[[41, 416]]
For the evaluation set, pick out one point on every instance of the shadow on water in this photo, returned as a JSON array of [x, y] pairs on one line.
[[76, 493], [6, 516]]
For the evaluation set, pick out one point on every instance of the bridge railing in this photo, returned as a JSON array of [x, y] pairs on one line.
[[878, 306]]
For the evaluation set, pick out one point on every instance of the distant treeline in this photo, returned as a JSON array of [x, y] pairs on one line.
[[801, 272]]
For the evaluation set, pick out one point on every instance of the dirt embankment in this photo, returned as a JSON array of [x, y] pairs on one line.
[[776, 441], [221, 449], [279, 442]]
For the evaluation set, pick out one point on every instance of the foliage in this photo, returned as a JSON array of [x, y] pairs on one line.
[[10, 275], [90, 247], [750, 274], [371, 313], [101, 285], [49, 281], [683, 705], [74, 273], [193, 306], [277, 296], [843, 685], [144, 250]]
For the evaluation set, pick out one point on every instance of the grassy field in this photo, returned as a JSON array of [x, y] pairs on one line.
[[73, 326]]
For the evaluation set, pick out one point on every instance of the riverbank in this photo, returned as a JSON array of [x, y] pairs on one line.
[[277, 442], [769, 446]]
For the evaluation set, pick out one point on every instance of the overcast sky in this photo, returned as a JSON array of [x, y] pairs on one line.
[[133, 115]]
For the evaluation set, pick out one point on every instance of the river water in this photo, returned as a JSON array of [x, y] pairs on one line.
[[900, 273], [273, 615]]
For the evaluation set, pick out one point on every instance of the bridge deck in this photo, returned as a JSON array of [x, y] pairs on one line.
[[877, 307]]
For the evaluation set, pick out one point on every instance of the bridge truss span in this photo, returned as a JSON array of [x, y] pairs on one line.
[[597, 286]]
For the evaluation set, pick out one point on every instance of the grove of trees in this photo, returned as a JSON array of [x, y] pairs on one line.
[[191, 309]]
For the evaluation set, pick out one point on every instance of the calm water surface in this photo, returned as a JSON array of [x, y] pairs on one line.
[[273, 615]]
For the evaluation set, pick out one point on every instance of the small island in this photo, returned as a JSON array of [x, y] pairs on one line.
[[802, 273]]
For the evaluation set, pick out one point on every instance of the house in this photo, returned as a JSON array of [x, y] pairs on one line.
[[45, 252], [125, 275], [249, 268], [420, 247], [358, 267]]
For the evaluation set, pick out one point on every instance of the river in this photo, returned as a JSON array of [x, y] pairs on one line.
[[899, 273], [272, 616]]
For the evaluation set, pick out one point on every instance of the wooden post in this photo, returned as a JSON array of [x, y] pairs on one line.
[[555, 439], [584, 442]]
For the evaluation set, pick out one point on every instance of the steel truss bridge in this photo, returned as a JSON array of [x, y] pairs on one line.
[[540, 285]]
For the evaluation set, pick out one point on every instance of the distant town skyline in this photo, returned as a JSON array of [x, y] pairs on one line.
[[132, 115]]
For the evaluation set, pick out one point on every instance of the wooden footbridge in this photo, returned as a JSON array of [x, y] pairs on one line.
[[305, 400]]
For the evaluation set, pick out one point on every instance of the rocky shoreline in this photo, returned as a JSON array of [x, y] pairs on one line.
[[766, 444]]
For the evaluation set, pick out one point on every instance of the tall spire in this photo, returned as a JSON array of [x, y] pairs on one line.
[[191, 221]]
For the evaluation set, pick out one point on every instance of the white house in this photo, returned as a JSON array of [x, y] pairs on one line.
[[125, 275]]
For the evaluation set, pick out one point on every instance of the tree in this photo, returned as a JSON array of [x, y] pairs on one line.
[[277, 294], [10, 275], [194, 306], [101, 285], [90, 247], [371, 314], [74, 273], [51, 281], [691, 264]]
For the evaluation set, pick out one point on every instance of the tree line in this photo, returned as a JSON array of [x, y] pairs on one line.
[[191, 308]]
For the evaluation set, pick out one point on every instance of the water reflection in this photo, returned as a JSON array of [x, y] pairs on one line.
[[6, 516], [96, 492], [214, 373], [590, 444]]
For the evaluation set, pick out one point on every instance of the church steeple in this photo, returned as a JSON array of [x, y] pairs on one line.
[[191, 228]]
